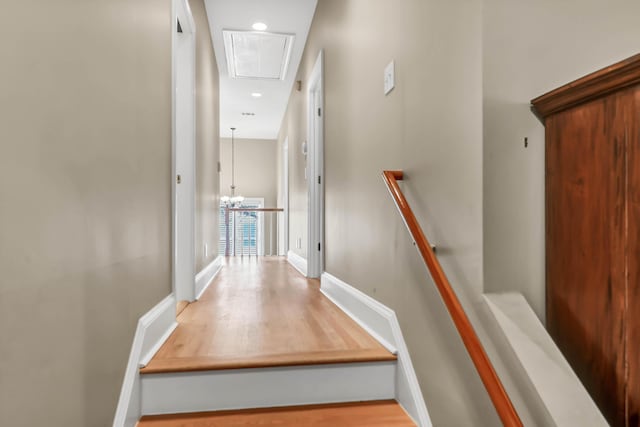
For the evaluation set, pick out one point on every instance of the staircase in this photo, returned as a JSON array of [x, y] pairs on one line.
[[266, 346], [263, 346], [372, 414]]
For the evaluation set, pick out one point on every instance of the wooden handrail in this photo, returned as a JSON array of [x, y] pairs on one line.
[[256, 209], [487, 373]]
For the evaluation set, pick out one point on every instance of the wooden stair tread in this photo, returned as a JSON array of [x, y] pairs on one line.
[[386, 413], [212, 363]]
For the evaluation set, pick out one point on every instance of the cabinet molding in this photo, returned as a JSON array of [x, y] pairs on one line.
[[618, 76]]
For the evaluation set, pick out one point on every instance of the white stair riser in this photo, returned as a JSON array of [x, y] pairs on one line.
[[267, 387]]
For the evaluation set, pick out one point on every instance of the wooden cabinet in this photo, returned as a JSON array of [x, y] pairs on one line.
[[593, 233]]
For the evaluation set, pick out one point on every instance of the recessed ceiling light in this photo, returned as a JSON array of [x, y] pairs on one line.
[[256, 94], [259, 26]]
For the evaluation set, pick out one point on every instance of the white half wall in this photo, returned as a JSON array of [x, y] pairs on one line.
[[541, 364], [381, 322]]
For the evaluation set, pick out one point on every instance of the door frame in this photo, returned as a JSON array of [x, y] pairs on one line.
[[285, 198], [315, 164], [183, 231]]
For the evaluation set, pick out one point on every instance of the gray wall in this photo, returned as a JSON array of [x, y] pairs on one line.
[[207, 140], [255, 164], [85, 200], [430, 126], [530, 48]]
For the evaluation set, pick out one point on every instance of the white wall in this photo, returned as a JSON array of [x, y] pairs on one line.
[[529, 48]]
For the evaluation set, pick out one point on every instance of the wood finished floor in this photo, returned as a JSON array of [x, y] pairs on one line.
[[368, 414], [258, 313]]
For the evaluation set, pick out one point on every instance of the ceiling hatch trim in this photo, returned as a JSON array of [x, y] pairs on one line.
[[257, 54]]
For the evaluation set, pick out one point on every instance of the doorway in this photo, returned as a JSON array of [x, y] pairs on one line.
[[183, 151], [315, 164]]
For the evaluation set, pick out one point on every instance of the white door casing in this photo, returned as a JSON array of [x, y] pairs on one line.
[[315, 164], [183, 151], [283, 223]]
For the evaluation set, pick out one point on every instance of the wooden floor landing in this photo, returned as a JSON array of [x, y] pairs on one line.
[[368, 414], [261, 312]]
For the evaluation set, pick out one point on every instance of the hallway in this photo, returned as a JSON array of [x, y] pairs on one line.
[[260, 312]]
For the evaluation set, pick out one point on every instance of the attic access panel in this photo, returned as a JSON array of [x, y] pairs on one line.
[[257, 55]]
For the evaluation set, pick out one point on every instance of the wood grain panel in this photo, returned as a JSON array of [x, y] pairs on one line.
[[586, 268], [261, 312], [633, 285], [366, 414]]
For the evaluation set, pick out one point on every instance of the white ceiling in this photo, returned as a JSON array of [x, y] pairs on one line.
[[281, 16]]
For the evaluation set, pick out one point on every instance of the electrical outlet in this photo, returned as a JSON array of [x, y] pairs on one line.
[[206, 250], [299, 243]]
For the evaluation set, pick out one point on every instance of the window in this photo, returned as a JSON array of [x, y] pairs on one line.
[[244, 230]]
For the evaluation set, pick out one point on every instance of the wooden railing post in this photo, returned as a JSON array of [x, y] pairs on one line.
[[487, 373]]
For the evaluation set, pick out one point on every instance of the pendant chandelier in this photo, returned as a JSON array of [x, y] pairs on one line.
[[232, 200]]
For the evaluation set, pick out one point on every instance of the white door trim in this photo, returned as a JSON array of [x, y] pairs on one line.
[[315, 163], [183, 56], [285, 197]]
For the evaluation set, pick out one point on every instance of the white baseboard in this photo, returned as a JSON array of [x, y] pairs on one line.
[[297, 262], [206, 276], [153, 329], [267, 387], [146, 357], [381, 322]]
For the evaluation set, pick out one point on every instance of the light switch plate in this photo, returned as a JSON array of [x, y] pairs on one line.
[[389, 77]]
